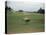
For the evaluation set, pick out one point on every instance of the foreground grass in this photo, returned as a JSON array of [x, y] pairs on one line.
[[16, 23]]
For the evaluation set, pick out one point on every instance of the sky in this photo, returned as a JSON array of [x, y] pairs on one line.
[[25, 5]]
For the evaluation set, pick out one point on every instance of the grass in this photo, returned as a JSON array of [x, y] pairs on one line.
[[16, 23]]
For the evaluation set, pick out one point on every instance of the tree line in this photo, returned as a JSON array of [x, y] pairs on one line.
[[41, 11]]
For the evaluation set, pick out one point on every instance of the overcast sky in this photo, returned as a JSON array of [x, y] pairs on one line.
[[25, 5]]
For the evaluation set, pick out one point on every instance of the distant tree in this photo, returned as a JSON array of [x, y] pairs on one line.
[[20, 10], [42, 11], [9, 8], [34, 12]]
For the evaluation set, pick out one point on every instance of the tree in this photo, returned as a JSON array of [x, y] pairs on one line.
[[42, 11], [20, 10], [9, 8]]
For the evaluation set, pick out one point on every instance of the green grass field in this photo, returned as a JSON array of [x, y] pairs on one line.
[[16, 22]]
